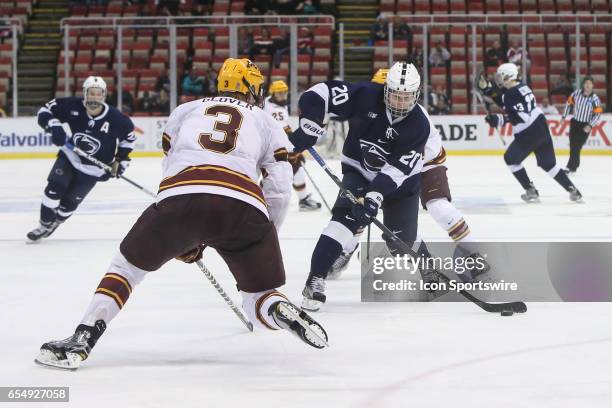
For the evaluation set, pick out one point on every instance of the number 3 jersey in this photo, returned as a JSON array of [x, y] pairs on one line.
[[387, 151], [220, 145]]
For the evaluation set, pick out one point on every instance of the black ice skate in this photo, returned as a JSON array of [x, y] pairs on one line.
[[314, 293], [531, 195], [481, 266], [570, 173], [68, 354], [42, 231], [308, 204], [290, 317], [575, 195], [340, 264]]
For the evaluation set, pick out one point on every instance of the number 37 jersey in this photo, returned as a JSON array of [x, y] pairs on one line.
[[220, 145]]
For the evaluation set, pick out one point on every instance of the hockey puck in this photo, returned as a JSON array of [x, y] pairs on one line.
[[507, 313]]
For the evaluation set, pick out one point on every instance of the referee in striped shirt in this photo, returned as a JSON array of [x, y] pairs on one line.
[[587, 110]]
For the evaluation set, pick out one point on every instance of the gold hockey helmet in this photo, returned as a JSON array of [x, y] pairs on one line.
[[241, 76], [278, 86], [380, 76]]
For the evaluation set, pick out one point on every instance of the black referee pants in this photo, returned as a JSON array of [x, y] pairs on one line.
[[578, 138]]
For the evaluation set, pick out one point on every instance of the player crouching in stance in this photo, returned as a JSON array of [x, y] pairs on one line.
[[531, 133], [435, 198], [215, 148], [276, 105], [99, 130], [381, 160]]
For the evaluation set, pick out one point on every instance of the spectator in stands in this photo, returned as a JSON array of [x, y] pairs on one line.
[[305, 40], [283, 6], [562, 86], [306, 7], [547, 108], [245, 41], [203, 7], [256, 6], [516, 54], [438, 101], [211, 81], [263, 44], [5, 30], [145, 104], [163, 82], [168, 7], [439, 56], [161, 102], [416, 57], [193, 85], [127, 102], [281, 45], [2, 112], [379, 31], [495, 55], [401, 31]]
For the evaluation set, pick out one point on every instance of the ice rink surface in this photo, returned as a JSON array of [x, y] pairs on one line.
[[176, 344]]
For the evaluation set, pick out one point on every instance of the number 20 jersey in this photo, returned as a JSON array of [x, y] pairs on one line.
[[218, 145]]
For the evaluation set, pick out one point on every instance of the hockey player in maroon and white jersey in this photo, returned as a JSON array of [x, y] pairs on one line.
[[216, 149]]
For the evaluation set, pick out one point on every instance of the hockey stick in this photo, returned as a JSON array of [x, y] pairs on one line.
[[107, 168], [517, 307], [482, 102], [224, 295], [316, 187]]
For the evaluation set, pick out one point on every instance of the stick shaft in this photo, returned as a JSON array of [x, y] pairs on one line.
[[106, 167], [224, 295], [316, 188], [404, 246]]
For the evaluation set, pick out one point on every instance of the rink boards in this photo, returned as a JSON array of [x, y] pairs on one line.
[[461, 134]]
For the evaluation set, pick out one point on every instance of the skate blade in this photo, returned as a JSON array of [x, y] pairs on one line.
[[531, 200], [47, 358], [312, 337], [309, 209], [311, 305], [334, 275], [32, 242]]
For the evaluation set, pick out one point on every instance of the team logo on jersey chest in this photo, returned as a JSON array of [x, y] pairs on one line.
[[374, 156], [86, 143]]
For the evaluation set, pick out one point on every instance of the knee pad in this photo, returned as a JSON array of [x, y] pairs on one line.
[[510, 159], [53, 193], [257, 305], [551, 170], [344, 217], [123, 267]]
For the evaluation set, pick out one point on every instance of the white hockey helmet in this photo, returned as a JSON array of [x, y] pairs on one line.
[[505, 74], [402, 88], [94, 101]]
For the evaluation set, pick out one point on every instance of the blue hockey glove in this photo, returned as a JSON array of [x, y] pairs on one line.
[[306, 135], [119, 166], [365, 212], [58, 135], [494, 120]]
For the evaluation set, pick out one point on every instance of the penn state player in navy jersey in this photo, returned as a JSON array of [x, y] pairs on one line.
[[98, 129], [381, 161], [531, 133]]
